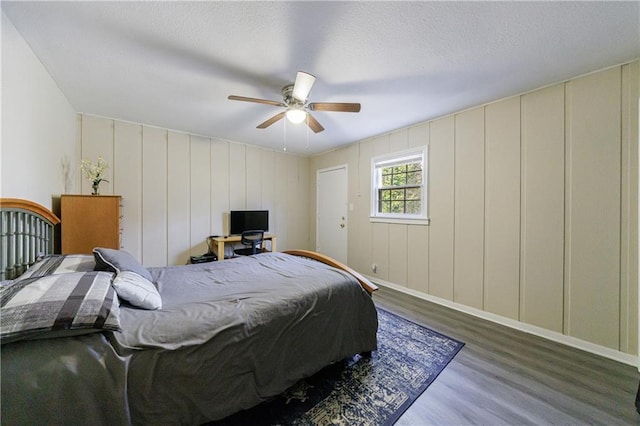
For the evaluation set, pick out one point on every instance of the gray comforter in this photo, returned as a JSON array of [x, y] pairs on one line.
[[230, 335]]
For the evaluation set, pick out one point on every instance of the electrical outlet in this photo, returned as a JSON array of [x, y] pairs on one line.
[[374, 268]]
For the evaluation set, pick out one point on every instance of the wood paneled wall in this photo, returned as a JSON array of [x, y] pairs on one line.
[[533, 206], [178, 188]]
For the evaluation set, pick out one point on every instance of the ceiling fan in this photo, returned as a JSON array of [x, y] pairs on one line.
[[297, 109]]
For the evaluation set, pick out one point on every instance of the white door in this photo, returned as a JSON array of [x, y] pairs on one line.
[[331, 226]]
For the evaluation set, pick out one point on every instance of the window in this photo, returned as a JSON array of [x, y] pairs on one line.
[[399, 187]]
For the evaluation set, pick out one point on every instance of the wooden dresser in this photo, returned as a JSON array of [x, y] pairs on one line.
[[89, 221]]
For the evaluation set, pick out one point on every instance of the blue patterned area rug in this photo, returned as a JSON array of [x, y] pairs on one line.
[[372, 390]]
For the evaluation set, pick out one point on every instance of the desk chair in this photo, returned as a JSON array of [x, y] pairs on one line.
[[252, 240]]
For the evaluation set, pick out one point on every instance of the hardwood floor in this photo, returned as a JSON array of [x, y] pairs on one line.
[[507, 377]]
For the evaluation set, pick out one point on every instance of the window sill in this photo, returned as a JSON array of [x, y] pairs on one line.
[[419, 222]]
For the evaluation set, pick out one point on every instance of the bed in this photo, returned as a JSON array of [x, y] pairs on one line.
[[204, 341]]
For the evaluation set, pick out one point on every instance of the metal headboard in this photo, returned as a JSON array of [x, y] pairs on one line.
[[26, 232]]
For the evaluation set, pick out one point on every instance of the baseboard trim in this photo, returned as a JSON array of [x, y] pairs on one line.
[[527, 328]]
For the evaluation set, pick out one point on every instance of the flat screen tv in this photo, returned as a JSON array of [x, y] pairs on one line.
[[248, 220]]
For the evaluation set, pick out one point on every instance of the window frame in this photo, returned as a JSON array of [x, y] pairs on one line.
[[400, 157]]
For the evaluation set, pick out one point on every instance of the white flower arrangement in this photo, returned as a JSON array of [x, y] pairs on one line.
[[94, 172]]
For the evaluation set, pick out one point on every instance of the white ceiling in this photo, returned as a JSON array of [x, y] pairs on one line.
[[173, 64]]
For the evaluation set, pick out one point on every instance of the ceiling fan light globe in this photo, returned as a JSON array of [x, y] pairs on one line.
[[296, 116]]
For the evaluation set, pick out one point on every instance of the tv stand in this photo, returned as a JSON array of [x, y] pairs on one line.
[[220, 241]]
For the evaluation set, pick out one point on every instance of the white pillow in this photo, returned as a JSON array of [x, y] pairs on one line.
[[137, 290]]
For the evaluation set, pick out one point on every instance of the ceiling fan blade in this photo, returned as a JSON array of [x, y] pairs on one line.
[[256, 100], [270, 121], [334, 106], [302, 86], [313, 124]]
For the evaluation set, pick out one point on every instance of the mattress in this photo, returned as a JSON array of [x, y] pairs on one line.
[[229, 336]]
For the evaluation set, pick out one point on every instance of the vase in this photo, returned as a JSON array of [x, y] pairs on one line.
[[96, 188]]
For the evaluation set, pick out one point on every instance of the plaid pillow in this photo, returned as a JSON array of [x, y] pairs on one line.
[[60, 264], [58, 305]]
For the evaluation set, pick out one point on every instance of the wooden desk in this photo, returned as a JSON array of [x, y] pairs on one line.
[[219, 242]]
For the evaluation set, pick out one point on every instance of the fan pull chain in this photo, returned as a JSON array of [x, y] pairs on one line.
[[307, 131], [284, 138]]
